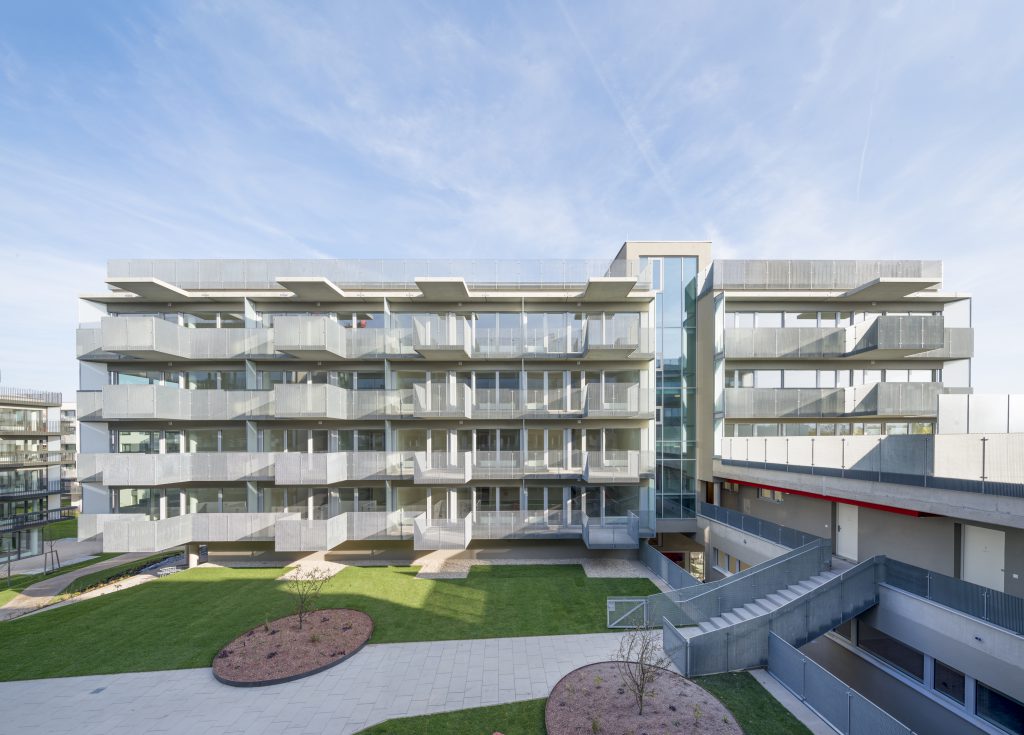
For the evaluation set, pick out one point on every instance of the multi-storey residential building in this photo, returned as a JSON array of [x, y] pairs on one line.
[[30, 462], [70, 489], [804, 429]]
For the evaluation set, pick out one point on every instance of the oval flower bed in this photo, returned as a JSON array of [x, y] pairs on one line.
[[595, 699], [280, 651]]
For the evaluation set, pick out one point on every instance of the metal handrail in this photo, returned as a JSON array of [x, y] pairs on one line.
[[35, 518]]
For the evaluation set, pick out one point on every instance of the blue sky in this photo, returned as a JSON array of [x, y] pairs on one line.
[[490, 129]]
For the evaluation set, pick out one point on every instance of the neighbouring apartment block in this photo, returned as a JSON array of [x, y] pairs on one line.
[[30, 469]]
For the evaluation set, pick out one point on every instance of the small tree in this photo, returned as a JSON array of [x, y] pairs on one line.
[[307, 585], [639, 659]]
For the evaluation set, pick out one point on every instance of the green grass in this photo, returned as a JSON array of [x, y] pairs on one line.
[[103, 576], [756, 711], [518, 718], [20, 581], [68, 528], [182, 620]]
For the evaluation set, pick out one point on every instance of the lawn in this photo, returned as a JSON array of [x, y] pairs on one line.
[[20, 581], [518, 718], [68, 528], [198, 611], [756, 711], [108, 575]]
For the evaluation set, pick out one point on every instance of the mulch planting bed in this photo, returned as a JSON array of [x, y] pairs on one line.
[[278, 651], [593, 700]]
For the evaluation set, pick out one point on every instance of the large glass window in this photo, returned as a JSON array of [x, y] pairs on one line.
[[889, 649], [999, 709], [138, 442], [949, 681], [201, 440], [234, 500]]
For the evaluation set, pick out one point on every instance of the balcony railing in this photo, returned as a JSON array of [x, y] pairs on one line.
[[154, 338], [35, 457], [878, 399], [617, 400], [28, 397], [48, 428], [156, 470], [822, 275], [294, 468], [442, 401], [35, 518], [442, 468], [380, 273], [441, 534], [27, 488]]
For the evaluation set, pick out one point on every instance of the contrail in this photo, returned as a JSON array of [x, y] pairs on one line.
[[871, 116], [650, 158]]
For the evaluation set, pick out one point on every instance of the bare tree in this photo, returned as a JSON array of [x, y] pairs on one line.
[[639, 659], [307, 585]]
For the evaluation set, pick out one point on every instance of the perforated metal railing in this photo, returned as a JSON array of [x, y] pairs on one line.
[[842, 707]]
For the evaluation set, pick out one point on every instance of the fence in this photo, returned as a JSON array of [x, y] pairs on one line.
[[839, 705], [994, 607], [781, 535], [744, 645]]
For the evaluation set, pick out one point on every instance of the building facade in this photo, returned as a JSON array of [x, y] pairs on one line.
[[30, 469], [801, 433]]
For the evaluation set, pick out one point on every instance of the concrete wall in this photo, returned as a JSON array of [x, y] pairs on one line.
[[804, 514], [926, 542]]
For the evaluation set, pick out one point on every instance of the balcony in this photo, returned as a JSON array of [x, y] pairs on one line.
[[442, 468], [128, 533], [15, 490], [28, 397], [886, 337], [151, 338], [619, 467], [332, 402], [498, 344], [618, 400], [618, 341], [877, 399], [442, 339], [497, 403], [442, 401], [30, 428], [441, 534], [30, 457], [157, 470], [170, 403], [614, 533], [553, 405], [553, 464], [500, 465], [321, 338], [294, 468], [823, 275], [35, 519]]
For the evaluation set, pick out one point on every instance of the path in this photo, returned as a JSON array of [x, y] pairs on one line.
[[42, 593], [70, 550], [381, 682]]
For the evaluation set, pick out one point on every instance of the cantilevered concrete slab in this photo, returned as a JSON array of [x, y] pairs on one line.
[[312, 288], [443, 288], [608, 288], [889, 289], [150, 288]]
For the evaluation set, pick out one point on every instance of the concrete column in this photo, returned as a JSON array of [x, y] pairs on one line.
[[309, 504], [163, 505], [192, 555], [252, 497]]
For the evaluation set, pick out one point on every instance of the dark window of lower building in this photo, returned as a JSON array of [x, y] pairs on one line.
[[891, 650], [846, 630], [1000, 709], [949, 682]]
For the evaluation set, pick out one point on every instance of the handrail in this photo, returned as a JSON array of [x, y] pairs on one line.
[[24, 520], [781, 535]]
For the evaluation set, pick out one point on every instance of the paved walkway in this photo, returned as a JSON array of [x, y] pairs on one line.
[[381, 682], [70, 550], [42, 593]]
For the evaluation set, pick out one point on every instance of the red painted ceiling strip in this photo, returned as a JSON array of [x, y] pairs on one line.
[[832, 498]]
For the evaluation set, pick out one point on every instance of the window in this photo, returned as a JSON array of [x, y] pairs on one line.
[[769, 378], [889, 649], [920, 376], [138, 442], [799, 379], [999, 709], [949, 682], [744, 319], [769, 319]]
